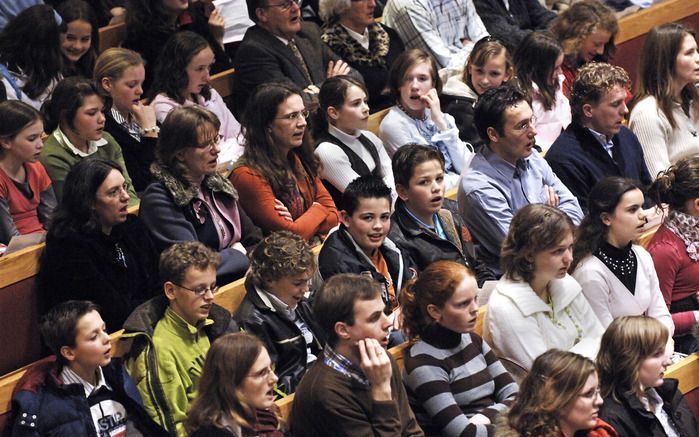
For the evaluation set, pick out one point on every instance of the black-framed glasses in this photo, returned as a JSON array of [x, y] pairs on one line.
[[286, 5], [215, 141], [199, 291], [295, 115]]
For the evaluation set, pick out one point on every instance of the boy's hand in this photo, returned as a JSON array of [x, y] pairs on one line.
[[377, 368], [551, 196]]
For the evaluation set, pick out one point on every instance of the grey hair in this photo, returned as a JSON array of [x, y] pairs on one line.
[[331, 10]]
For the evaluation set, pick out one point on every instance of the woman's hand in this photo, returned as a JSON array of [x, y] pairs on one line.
[[145, 117], [431, 100], [217, 26], [282, 210]]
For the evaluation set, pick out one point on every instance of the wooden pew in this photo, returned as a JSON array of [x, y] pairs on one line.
[[375, 120], [111, 36]]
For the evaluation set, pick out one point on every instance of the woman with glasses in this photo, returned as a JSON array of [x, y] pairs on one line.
[[559, 397], [277, 176], [275, 308], [95, 249], [243, 406], [189, 200]]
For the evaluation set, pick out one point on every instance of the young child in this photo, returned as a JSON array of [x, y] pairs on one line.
[[359, 244], [172, 333], [81, 391], [421, 227]]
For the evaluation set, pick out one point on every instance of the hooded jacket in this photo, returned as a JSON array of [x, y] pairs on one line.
[[458, 100]]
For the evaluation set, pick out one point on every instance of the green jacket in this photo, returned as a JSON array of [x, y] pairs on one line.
[[58, 159], [166, 362]]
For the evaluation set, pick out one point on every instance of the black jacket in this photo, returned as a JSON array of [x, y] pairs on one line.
[[425, 247], [284, 340], [340, 254], [630, 419], [512, 24], [138, 155]]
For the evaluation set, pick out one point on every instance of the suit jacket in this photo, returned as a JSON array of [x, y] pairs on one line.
[[263, 58]]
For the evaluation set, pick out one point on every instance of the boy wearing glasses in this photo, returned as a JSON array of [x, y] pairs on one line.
[[172, 333], [507, 174]]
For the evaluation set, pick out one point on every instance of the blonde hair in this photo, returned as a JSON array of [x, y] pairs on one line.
[[484, 50], [594, 79], [112, 63]]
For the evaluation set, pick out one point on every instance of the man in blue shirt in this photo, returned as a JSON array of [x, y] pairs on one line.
[[507, 174]]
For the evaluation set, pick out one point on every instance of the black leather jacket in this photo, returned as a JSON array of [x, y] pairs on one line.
[[284, 340]]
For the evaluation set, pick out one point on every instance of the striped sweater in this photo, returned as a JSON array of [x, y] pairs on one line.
[[451, 377]]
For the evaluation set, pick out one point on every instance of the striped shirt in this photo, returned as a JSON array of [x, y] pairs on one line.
[[451, 377]]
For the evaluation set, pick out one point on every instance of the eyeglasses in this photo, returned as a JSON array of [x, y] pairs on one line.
[[200, 291], [525, 125], [116, 192], [591, 394], [286, 5], [215, 141], [265, 373], [295, 115]]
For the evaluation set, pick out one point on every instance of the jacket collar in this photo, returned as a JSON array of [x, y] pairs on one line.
[[458, 88], [563, 292], [413, 229], [183, 192]]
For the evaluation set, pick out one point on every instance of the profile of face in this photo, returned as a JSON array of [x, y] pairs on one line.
[[581, 412], [290, 289], [687, 62], [417, 81], [88, 123], [198, 71], [127, 89], [193, 298], [76, 41], [26, 146], [175, 6], [359, 16], [370, 223], [93, 347], [370, 321], [652, 369], [353, 115], [517, 139], [201, 159], [607, 115], [424, 194], [557, 69], [112, 201], [489, 75], [460, 312], [257, 387], [280, 17], [553, 262], [627, 221], [593, 45], [289, 126]]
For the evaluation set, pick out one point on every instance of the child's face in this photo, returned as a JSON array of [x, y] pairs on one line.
[[417, 82], [198, 71], [370, 223], [425, 192], [353, 115], [489, 75], [92, 345], [193, 298]]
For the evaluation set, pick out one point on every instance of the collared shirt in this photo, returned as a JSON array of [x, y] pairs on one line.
[[343, 365], [654, 403], [437, 228], [437, 26], [68, 376], [133, 128], [91, 148], [362, 39], [606, 143]]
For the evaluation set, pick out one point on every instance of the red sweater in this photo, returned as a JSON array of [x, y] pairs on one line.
[[23, 210], [677, 273]]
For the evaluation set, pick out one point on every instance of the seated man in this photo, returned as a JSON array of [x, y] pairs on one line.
[[512, 20], [355, 389], [596, 144], [82, 391], [279, 47], [420, 226], [359, 244], [507, 173], [172, 333], [446, 29]]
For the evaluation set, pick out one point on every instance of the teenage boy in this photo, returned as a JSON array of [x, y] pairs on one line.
[[359, 244], [355, 389], [81, 391], [424, 230], [172, 333]]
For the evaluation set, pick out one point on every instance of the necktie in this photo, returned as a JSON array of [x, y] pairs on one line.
[[297, 54]]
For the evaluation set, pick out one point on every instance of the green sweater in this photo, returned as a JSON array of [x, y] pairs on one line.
[[58, 159]]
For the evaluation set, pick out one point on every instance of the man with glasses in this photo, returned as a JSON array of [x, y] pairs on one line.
[[507, 173], [172, 333], [280, 47]]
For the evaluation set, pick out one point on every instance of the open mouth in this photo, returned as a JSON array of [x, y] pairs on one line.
[[375, 237], [436, 199]]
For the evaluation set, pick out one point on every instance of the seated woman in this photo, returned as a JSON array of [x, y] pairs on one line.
[[638, 401], [95, 249], [30, 55], [75, 118], [244, 405], [488, 66], [182, 79], [538, 63], [674, 248], [456, 384], [665, 112], [27, 200], [618, 277], [345, 148], [586, 31], [277, 176], [275, 308], [189, 200], [559, 397], [79, 37], [537, 306], [417, 117], [367, 46], [119, 75]]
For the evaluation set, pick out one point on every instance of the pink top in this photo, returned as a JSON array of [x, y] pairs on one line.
[[549, 124]]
